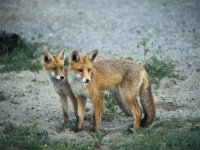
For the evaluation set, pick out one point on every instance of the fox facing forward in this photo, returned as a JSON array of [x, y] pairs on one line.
[[90, 78], [53, 64]]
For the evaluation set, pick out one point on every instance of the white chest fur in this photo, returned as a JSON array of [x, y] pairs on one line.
[[58, 85], [77, 86]]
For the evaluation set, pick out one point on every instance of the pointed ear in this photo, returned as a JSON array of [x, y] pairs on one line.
[[47, 58], [61, 54], [93, 55], [75, 57]]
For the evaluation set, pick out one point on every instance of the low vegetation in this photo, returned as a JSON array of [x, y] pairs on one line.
[[157, 67], [97, 139], [172, 133], [110, 104], [2, 96], [17, 54], [32, 138]]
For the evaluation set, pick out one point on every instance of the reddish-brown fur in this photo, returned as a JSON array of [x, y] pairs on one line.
[[130, 79]]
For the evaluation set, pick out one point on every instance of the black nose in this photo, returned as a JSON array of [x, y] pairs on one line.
[[61, 77], [87, 80]]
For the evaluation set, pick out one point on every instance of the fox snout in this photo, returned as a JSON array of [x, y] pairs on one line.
[[83, 79], [86, 80], [62, 77], [58, 77]]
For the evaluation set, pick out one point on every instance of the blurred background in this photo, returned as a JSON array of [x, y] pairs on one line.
[[115, 27]]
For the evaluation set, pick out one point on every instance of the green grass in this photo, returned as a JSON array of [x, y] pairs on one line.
[[167, 134], [170, 123], [157, 67], [17, 54], [32, 138], [2, 96], [162, 139], [172, 133], [97, 139], [110, 104], [22, 137], [128, 58]]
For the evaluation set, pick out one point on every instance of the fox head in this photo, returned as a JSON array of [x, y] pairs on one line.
[[54, 63], [81, 67]]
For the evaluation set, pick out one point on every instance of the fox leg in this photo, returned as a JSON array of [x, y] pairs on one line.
[[75, 104], [64, 103], [80, 112], [97, 102], [134, 107], [137, 113]]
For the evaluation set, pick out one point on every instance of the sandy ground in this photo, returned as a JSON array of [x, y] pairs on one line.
[[114, 27]]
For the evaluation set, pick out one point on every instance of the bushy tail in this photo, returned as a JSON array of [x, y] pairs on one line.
[[148, 105], [146, 99]]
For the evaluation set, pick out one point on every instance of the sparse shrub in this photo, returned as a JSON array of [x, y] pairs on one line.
[[166, 134], [97, 137], [170, 123], [143, 44], [157, 67], [129, 58], [110, 104], [16, 53], [32, 138], [22, 137], [2, 96]]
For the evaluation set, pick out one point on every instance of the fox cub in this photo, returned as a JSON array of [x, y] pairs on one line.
[[53, 64]]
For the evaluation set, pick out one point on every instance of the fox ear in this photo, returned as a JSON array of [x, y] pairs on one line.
[[75, 57], [61, 54], [48, 58], [93, 55]]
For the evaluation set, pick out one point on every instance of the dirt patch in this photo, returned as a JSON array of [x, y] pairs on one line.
[[170, 106]]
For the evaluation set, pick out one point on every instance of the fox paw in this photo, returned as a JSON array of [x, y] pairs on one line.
[[76, 130], [94, 130]]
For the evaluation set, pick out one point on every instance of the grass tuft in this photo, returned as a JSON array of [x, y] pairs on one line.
[[97, 139], [170, 123], [17, 54], [22, 137], [2, 96], [32, 138], [110, 104], [173, 133], [157, 67], [162, 139]]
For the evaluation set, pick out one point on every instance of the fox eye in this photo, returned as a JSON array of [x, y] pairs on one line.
[[80, 70], [61, 67], [89, 70]]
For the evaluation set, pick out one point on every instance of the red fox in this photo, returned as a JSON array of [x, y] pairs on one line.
[[89, 78], [53, 64]]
